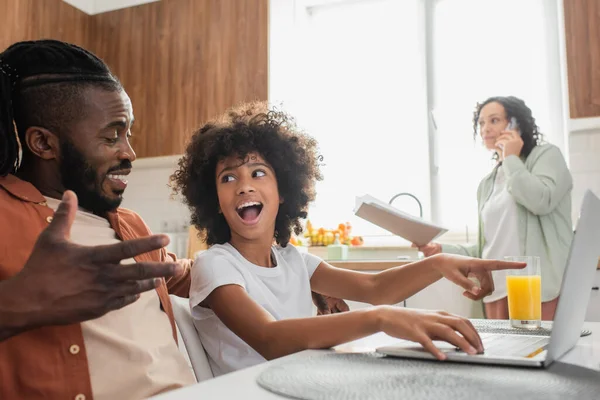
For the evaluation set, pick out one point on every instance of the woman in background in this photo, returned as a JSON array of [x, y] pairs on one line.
[[524, 203]]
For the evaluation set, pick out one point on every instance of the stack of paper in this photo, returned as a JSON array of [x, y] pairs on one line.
[[400, 223]]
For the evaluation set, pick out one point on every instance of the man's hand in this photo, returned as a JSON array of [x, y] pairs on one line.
[[328, 305], [459, 269], [63, 283]]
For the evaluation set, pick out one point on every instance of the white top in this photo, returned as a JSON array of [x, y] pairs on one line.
[[131, 352], [284, 291], [500, 230]]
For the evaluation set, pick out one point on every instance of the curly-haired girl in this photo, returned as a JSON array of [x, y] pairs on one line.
[[248, 178]]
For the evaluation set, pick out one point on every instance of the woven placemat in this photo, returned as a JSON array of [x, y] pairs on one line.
[[502, 326], [338, 376]]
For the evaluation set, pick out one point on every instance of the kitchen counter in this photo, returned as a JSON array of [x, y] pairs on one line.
[[368, 265], [377, 265], [369, 253]]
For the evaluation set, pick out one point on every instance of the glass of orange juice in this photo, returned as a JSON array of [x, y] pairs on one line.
[[524, 287]]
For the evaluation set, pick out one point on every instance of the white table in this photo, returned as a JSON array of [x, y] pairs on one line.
[[242, 384]]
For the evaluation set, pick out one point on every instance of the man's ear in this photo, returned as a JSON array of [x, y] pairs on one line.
[[42, 143]]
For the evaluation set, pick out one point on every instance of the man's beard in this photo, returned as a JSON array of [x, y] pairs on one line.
[[82, 178]]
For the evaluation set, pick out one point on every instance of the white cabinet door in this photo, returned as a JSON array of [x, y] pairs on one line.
[[357, 305], [444, 295], [593, 309]]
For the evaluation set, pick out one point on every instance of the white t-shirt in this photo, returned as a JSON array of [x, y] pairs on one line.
[[500, 229], [284, 291]]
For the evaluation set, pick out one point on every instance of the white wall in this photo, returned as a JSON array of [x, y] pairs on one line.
[[149, 195], [583, 134], [584, 157]]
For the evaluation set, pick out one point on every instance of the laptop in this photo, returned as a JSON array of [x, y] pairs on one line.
[[535, 350]]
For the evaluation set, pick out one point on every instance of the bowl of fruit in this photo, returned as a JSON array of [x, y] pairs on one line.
[[324, 237]]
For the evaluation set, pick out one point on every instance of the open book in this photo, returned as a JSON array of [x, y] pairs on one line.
[[400, 223]]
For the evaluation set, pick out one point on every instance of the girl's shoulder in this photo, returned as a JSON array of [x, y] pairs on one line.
[[215, 252], [290, 252]]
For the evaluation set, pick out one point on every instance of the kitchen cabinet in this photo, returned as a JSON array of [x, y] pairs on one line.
[[182, 62], [582, 36], [444, 295]]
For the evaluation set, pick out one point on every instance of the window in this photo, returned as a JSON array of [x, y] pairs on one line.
[[483, 49], [388, 88]]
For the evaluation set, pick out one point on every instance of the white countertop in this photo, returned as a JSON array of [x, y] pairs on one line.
[[242, 384]]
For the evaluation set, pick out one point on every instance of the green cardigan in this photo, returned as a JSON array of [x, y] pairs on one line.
[[541, 186]]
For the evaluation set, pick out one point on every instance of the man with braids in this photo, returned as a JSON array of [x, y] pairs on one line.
[[65, 124], [84, 306]]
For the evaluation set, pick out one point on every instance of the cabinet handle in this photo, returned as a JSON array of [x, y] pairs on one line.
[[595, 288]]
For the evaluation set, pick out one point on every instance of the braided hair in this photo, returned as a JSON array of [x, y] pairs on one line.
[[40, 85]]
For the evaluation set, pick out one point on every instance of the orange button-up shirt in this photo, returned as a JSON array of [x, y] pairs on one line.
[[40, 363]]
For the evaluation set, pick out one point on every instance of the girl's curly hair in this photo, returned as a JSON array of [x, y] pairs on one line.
[[249, 128], [514, 107]]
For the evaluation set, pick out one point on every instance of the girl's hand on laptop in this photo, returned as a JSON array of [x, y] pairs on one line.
[[424, 327], [459, 269]]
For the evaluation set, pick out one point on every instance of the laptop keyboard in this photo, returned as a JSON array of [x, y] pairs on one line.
[[513, 346]]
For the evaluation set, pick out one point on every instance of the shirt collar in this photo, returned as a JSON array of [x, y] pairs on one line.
[[21, 189]]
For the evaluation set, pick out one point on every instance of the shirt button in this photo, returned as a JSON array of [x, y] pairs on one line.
[[80, 397], [74, 349], [49, 219]]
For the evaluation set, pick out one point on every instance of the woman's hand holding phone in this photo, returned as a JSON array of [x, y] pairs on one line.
[[510, 142]]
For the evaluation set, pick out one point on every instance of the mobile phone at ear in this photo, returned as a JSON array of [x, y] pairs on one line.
[[513, 125]]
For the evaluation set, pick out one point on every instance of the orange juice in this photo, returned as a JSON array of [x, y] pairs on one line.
[[524, 297]]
